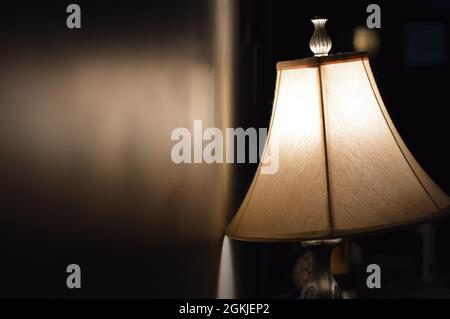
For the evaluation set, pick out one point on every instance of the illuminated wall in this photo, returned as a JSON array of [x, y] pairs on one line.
[[85, 124]]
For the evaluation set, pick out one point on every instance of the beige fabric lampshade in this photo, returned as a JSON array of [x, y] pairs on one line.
[[343, 167]]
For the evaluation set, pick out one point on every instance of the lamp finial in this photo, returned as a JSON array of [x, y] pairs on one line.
[[320, 43]]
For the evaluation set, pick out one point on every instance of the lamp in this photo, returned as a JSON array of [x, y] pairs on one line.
[[343, 168]]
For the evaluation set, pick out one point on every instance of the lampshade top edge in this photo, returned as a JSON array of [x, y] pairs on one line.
[[321, 60]]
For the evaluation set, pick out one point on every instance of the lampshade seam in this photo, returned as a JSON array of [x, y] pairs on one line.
[[325, 143]]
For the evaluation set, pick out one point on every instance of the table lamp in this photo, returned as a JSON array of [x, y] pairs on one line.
[[343, 168]]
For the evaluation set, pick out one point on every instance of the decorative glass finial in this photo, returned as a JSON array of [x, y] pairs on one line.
[[320, 43]]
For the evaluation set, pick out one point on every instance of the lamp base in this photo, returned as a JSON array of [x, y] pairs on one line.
[[321, 284]]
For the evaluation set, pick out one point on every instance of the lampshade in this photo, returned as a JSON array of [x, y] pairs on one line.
[[343, 167]]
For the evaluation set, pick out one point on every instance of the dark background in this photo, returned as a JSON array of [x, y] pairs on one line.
[[130, 263]]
